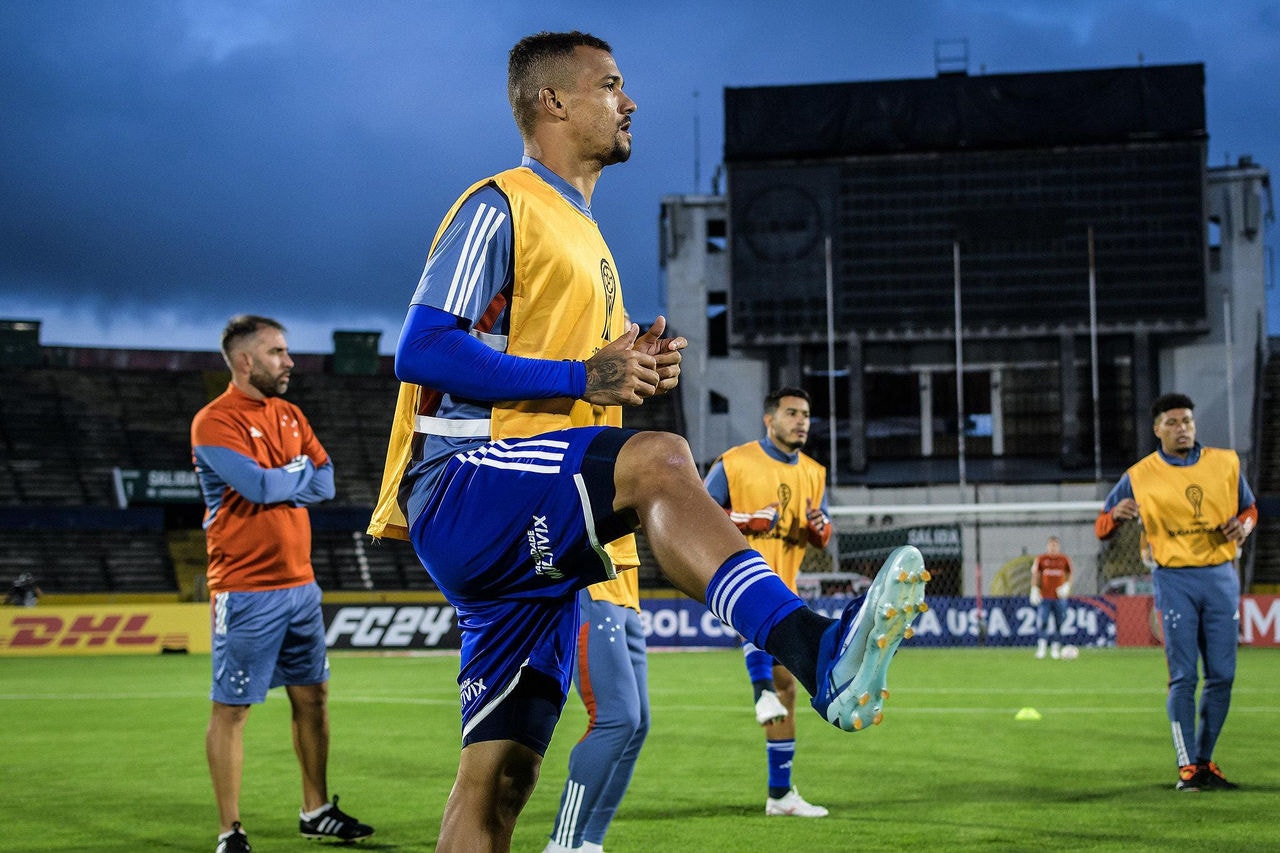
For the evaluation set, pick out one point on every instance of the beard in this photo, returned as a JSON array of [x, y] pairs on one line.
[[792, 444], [620, 152], [267, 384]]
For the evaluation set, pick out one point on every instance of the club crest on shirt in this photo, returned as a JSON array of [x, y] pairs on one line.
[[609, 283], [784, 498], [1195, 496]]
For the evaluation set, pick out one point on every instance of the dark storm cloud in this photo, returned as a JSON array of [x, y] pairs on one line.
[[146, 168], [168, 163]]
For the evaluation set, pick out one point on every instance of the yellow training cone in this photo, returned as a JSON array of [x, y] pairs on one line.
[[1027, 714]]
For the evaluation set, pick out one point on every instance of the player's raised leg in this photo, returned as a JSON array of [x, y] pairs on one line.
[[701, 551]]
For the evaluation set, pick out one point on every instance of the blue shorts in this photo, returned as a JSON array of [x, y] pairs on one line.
[[266, 639], [512, 531]]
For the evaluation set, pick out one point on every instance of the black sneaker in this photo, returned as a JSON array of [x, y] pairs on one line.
[[1211, 779], [236, 842], [1189, 777], [334, 823]]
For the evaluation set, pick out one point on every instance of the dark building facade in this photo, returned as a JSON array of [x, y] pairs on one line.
[[1045, 237]]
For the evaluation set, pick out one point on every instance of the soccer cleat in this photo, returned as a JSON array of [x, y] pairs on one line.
[[769, 708], [853, 658], [554, 847], [334, 823], [1189, 777], [791, 804], [235, 842], [1211, 779]]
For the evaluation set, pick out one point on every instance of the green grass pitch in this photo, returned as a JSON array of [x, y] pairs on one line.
[[107, 754]]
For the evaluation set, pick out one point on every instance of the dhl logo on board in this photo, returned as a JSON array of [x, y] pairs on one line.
[[104, 629]]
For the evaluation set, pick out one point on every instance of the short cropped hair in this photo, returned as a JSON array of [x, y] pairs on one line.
[[242, 326], [1165, 402], [773, 398], [539, 61]]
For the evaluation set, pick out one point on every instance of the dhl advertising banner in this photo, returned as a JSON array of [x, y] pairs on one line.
[[136, 629], [104, 629]]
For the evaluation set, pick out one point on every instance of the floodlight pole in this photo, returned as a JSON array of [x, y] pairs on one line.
[[1229, 350], [960, 419], [697, 145], [1093, 362], [831, 366]]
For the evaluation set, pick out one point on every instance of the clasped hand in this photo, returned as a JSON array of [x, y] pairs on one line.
[[634, 367]]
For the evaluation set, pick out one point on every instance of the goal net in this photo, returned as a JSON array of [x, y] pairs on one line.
[[980, 558]]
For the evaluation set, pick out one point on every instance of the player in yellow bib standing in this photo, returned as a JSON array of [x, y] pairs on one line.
[[776, 495], [508, 471], [1196, 509]]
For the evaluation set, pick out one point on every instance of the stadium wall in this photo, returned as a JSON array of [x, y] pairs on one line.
[[430, 625]]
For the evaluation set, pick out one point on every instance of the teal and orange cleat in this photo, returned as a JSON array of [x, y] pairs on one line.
[[853, 659]]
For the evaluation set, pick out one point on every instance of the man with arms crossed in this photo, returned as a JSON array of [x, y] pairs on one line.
[[260, 466], [508, 470], [1196, 509], [776, 495]]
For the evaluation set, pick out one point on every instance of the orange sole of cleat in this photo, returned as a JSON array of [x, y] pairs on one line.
[[925, 576], [908, 634], [864, 698], [857, 724], [923, 607], [877, 719], [884, 693], [882, 641]]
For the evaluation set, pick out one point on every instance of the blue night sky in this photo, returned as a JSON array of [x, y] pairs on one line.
[[168, 163]]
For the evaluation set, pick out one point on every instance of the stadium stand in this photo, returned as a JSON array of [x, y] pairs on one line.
[[69, 423]]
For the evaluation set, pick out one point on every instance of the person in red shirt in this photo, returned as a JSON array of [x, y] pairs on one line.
[[260, 466], [1050, 589]]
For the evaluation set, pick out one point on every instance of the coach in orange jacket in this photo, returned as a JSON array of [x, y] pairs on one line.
[[260, 466]]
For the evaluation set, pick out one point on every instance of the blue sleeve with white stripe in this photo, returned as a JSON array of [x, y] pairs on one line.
[[256, 484], [435, 353], [471, 262]]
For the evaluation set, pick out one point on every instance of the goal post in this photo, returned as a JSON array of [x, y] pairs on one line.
[[980, 557], [982, 549]]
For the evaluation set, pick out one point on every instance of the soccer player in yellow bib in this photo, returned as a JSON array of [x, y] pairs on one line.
[[776, 495], [508, 470], [1196, 509]]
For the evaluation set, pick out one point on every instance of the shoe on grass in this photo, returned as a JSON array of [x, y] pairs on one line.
[[1211, 779], [1189, 778], [791, 804], [333, 823], [234, 841]]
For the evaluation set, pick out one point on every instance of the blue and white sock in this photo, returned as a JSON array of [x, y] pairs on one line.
[[748, 595], [781, 755]]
